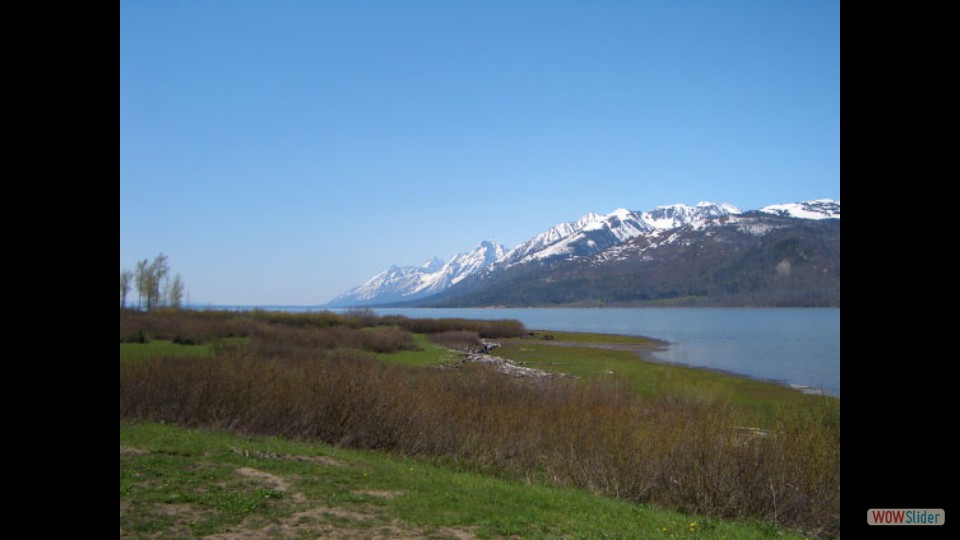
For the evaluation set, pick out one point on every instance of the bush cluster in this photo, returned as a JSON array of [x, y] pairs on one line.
[[464, 340]]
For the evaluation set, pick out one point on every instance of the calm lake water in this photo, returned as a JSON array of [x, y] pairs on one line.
[[793, 346]]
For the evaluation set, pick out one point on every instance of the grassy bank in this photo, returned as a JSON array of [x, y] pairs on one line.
[[176, 482], [646, 433], [599, 357]]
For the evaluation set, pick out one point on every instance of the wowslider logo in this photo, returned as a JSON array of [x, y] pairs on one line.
[[904, 516]]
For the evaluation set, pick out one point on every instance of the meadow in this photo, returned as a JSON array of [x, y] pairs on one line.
[[642, 441]]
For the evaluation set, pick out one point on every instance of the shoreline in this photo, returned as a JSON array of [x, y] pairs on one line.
[[659, 345]]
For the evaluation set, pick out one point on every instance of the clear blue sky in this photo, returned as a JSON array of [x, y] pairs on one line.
[[283, 152]]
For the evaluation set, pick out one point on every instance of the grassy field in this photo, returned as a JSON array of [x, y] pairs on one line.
[[428, 355], [595, 456], [181, 483]]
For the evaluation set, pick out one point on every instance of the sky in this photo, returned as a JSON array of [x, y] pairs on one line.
[[281, 153]]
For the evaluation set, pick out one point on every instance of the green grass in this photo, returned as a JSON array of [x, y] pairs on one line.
[[429, 354], [582, 337], [187, 483], [758, 399], [162, 349]]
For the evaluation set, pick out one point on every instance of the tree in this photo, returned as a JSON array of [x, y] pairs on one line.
[[142, 282], [175, 291], [156, 272], [151, 278], [125, 277]]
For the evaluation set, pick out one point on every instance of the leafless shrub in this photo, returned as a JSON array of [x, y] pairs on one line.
[[457, 339]]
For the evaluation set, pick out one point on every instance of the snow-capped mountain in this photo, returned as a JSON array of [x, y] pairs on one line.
[[589, 233], [818, 209], [402, 283], [605, 237], [394, 283], [679, 215], [594, 232], [465, 264], [751, 259]]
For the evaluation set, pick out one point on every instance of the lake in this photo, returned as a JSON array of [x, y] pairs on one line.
[[798, 346]]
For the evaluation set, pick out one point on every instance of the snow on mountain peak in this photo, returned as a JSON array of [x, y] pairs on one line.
[[589, 234], [678, 215], [815, 209], [724, 208], [587, 219], [400, 283], [730, 209], [548, 238], [432, 264]]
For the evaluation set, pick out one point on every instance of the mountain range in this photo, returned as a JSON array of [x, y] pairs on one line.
[[406, 283], [708, 254]]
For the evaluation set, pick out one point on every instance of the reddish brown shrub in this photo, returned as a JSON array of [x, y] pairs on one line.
[[457, 339]]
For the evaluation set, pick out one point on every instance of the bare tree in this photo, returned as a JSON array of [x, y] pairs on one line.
[[157, 272], [125, 277], [175, 291], [143, 279]]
